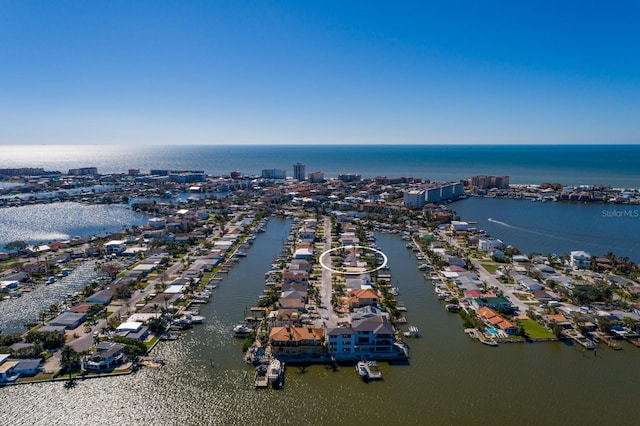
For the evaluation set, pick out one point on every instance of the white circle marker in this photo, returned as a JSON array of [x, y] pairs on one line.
[[351, 248]]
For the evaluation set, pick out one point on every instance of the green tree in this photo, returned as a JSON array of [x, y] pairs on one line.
[[70, 360], [17, 245], [111, 269]]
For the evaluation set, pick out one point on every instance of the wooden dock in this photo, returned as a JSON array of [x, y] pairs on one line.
[[635, 341], [609, 341]]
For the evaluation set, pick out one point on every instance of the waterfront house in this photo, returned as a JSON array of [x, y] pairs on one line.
[[497, 303], [363, 297], [368, 337], [102, 297], [292, 299], [115, 247], [304, 253], [579, 259], [560, 320], [7, 373], [494, 319], [27, 366], [489, 244], [133, 330], [458, 226], [107, 356], [69, 320], [83, 308], [299, 265], [298, 277], [296, 342]]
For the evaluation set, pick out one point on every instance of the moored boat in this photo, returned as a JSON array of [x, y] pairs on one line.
[[275, 372], [368, 370], [241, 330]]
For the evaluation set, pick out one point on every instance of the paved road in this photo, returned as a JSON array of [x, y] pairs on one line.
[[491, 280], [328, 315]]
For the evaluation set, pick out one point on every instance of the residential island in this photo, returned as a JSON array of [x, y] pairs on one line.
[[329, 297]]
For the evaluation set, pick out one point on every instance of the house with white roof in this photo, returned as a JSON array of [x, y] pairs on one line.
[[580, 259]]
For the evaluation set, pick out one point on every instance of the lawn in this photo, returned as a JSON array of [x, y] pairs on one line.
[[535, 330], [490, 267]]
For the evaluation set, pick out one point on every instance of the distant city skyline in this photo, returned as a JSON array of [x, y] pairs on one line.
[[290, 72]]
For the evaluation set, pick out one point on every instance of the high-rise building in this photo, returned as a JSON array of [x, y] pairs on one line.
[[316, 177], [273, 174], [298, 171], [487, 182], [414, 198], [349, 177]]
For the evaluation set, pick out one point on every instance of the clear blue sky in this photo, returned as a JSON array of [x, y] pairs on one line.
[[227, 72]]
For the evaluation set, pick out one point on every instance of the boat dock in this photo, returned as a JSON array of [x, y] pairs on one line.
[[609, 341], [368, 370], [635, 341]]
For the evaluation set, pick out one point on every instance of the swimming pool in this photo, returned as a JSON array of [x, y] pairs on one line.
[[493, 331]]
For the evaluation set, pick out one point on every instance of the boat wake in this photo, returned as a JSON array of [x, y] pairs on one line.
[[532, 231]]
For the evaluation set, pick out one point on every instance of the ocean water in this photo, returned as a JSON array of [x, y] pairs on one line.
[[615, 165]]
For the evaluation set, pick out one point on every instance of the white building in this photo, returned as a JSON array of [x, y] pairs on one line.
[[115, 247], [489, 244], [370, 335], [580, 259], [458, 226], [414, 198]]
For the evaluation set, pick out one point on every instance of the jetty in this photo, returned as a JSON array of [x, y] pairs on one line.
[[608, 340], [579, 338], [474, 333], [634, 340]]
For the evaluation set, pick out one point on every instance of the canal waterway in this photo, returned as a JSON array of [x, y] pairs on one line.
[[450, 378]]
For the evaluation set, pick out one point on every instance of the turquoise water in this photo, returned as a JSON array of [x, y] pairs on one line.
[[615, 165], [493, 331]]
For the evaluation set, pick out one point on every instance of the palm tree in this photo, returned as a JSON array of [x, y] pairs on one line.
[[69, 359]]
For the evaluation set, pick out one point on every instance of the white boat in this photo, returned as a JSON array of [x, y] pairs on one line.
[[362, 370], [368, 370], [241, 330], [195, 319], [395, 291], [453, 307], [274, 372], [51, 280]]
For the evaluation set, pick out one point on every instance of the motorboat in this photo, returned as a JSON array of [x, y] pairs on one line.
[[241, 330], [275, 372]]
